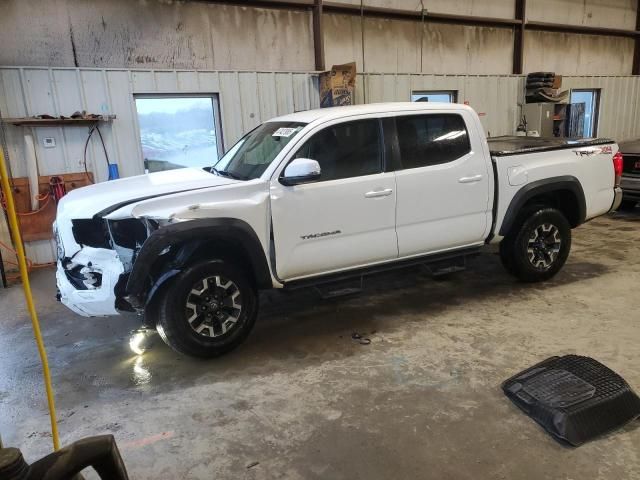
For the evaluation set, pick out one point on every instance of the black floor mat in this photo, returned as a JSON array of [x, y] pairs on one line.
[[575, 399]]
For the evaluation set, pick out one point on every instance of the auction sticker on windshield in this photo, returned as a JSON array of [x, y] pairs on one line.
[[285, 131]]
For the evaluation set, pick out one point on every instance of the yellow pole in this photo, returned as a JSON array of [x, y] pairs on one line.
[[26, 286]]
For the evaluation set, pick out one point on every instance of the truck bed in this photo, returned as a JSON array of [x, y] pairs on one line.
[[512, 145]]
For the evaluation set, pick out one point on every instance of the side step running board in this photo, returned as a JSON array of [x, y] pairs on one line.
[[351, 286], [442, 268], [437, 264], [328, 291]]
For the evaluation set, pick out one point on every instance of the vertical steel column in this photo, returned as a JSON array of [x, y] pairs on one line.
[[518, 36], [636, 50], [318, 35]]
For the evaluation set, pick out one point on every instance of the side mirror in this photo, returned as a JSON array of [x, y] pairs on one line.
[[300, 170]]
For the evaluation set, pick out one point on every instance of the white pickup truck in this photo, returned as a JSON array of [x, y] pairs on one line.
[[317, 196]]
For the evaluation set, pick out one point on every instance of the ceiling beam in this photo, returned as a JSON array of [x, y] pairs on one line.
[[581, 29], [416, 15], [281, 4]]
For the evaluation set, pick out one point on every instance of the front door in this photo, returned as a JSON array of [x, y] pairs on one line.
[[347, 217]]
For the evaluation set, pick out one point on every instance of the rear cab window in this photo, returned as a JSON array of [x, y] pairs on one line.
[[431, 139]]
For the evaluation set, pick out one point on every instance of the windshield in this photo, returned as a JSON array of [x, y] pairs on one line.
[[251, 156]]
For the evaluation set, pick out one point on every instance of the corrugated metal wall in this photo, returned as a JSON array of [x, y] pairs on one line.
[[619, 116], [246, 99], [494, 97]]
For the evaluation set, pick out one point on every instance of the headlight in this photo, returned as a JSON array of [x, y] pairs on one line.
[[129, 232], [91, 232]]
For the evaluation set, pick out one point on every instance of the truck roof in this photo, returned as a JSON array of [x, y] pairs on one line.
[[330, 113]]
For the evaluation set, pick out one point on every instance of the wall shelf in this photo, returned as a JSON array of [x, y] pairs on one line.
[[53, 122]]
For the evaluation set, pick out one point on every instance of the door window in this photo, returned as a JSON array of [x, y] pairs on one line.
[[350, 149], [431, 139], [178, 131]]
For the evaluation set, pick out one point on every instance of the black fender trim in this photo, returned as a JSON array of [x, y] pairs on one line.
[[226, 229], [539, 187]]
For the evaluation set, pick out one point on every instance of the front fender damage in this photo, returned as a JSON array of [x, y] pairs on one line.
[[94, 266], [87, 281]]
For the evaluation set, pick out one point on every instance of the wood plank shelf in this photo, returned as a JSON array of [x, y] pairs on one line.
[[36, 225], [52, 122]]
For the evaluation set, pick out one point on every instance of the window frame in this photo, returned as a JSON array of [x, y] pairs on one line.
[[596, 92], [217, 116], [453, 94], [382, 140], [397, 161]]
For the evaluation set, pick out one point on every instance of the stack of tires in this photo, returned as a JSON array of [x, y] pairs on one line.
[[544, 87]]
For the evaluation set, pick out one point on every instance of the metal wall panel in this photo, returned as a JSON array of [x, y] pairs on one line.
[[619, 103], [494, 97], [246, 99]]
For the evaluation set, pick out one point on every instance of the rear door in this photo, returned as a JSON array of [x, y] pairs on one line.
[[346, 218], [443, 183]]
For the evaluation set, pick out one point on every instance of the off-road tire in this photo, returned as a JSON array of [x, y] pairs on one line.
[[538, 245], [173, 323]]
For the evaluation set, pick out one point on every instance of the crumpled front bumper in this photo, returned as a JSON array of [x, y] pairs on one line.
[[90, 301]]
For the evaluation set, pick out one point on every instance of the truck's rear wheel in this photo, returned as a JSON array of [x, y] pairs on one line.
[[208, 310], [538, 246]]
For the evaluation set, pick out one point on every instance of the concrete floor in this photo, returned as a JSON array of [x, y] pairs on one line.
[[302, 400]]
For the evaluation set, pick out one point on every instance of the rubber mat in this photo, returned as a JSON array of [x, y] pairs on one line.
[[574, 398]]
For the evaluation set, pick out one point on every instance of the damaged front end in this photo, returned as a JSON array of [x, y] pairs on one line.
[[95, 257]]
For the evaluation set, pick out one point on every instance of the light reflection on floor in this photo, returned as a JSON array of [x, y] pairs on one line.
[[141, 374]]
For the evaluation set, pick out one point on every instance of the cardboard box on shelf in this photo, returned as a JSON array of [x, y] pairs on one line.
[[337, 86]]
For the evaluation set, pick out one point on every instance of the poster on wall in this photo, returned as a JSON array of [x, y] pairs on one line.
[[337, 85]]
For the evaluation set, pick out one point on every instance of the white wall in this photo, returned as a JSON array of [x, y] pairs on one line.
[[580, 54], [153, 34], [408, 46], [592, 13], [165, 34], [571, 54]]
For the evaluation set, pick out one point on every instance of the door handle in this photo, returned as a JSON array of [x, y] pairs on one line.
[[379, 193], [475, 178]]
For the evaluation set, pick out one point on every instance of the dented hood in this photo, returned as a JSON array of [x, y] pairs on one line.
[[108, 196]]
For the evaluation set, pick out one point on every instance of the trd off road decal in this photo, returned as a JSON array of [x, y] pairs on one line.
[[604, 150]]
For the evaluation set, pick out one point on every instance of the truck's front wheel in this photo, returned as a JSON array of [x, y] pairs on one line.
[[538, 246], [208, 310]]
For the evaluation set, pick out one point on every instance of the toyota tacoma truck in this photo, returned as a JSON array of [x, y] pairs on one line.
[[318, 196]]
